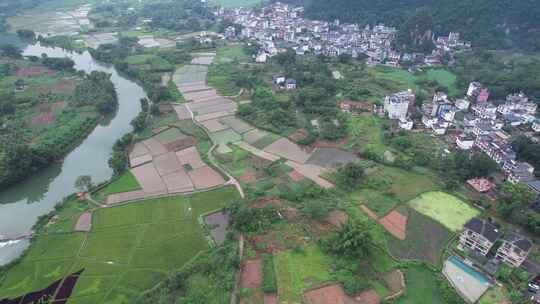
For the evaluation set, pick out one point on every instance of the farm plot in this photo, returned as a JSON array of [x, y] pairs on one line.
[[167, 163], [288, 150], [389, 187], [119, 257], [327, 294], [217, 223], [202, 60], [422, 286], [425, 238], [331, 157], [448, 210], [190, 74], [299, 271]]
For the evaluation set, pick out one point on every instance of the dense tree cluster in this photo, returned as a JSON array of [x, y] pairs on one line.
[[493, 24], [500, 73], [98, 90], [182, 15], [528, 151]]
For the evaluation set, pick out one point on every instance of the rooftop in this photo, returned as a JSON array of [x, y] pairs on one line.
[[484, 228]]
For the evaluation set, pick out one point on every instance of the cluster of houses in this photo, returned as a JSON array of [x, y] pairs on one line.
[[279, 26], [482, 126], [479, 236]]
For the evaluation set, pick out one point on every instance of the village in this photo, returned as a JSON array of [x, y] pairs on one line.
[[279, 26]]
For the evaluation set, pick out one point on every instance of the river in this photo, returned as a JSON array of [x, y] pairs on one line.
[[23, 203]]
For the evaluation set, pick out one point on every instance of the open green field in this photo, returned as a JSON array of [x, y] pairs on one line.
[[220, 77], [444, 208], [425, 241], [387, 187], [366, 134], [130, 249], [150, 62], [298, 271], [124, 183], [237, 3], [422, 287], [229, 53], [445, 78]]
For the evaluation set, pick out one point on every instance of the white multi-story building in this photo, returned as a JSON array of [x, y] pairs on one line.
[[397, 105], [478, 235], [514, 249]]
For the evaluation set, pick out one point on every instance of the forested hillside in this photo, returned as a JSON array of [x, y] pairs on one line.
[[487, 23]]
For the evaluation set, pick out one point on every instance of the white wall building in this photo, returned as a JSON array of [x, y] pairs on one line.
[[397, 105]]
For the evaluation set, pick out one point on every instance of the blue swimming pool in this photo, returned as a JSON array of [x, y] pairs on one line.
[[480, 277]]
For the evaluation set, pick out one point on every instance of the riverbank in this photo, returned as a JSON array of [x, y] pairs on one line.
[[23, 203]]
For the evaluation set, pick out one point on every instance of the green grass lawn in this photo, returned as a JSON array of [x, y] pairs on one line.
[[445, 78], [444, 208], [230, 53], [124, 183], [298, 271], [130, 249], [422, 287]]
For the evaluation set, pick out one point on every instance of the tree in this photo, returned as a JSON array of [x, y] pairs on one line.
[[513, 197], [350, 175], [354, 240], [84, 183], [482, 165], [10, 51]]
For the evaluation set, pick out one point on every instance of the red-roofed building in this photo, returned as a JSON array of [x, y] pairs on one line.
[[356, 107], [481, 185]]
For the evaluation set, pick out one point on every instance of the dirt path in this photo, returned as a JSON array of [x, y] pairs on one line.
[[238, 274]]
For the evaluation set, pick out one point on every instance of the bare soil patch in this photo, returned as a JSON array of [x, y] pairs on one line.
[[328, 294], [84, 223], [395, 223], [368, 297], [34, 71], [296, 176], [337, 218], [298, 135], [248, 177], [251, 276], [270, 298], [395, 282], [205, 177], [42, 119], [330, 144]]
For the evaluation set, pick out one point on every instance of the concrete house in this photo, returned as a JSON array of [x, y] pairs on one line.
[[514, 249], [397, 105], [478, 235]]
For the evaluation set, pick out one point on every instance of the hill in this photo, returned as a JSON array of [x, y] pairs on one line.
[[496, 24]]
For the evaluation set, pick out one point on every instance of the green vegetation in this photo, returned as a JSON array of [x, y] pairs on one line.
[[425, 238], [269, 283], [503, 73], [297, 271], [46, 109], [422, 286], [126, 182], [119, 254], [385, 187], [445, 208], [519, 17], [237, 3], [495, 295]]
